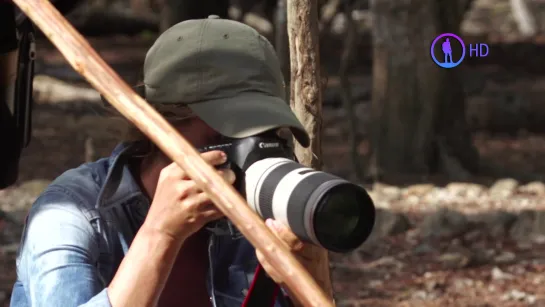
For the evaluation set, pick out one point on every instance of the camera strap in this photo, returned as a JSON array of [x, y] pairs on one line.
[[263, 290]]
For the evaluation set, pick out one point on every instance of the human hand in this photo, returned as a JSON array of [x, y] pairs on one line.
[[296, 246], [179, 208]]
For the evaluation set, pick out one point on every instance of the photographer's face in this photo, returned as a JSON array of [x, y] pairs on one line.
[[195, 131]]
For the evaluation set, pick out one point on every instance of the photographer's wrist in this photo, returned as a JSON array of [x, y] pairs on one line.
[[156, 229]]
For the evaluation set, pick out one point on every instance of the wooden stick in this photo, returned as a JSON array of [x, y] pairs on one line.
[[88, 63]]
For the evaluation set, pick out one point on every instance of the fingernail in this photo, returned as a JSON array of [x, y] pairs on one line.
[[269, 223], [277, 225], [223, 156], [232, 176]]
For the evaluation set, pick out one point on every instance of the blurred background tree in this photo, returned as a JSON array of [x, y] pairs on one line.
[[418, 109]]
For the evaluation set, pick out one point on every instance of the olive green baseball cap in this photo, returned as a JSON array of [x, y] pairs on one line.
[[226, 73]]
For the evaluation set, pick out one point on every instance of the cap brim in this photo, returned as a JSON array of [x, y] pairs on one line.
[[249, 114], [139, 89]]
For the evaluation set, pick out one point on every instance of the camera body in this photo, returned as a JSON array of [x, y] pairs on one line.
[[242, 153], [318, 207]]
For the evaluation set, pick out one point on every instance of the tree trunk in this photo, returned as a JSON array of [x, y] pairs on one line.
[[306, 101], [418, 109]]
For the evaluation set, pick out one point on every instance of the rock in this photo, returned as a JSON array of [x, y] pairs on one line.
[[456, 188], [432, 285], [503, 188], [489, 253], [528, 225], [481, 257], [539, 223], [454, 260], [375, 283], [536, 188], [518, 270], [473, 235], [462, 283], [538, 239], [496, 223], [505, 257], [474, 191], [525, 245], [423, 248], [523, 226], [387, 192], [420, 294], [462, 189], [538, 280], [389, 223], [418, 190], [444, 223], [516, 295], [387, 262], [498, 274]]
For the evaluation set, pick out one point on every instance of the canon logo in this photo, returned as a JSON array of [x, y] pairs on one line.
[[268, 145]]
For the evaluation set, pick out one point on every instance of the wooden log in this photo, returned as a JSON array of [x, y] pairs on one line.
[[79, 53]]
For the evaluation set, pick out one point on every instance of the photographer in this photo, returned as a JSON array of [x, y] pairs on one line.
[[129, 229]]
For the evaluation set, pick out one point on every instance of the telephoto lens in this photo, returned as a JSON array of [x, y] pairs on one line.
[[318, 207]]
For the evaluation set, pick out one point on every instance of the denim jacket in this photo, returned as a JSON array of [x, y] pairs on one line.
[[80, 228]]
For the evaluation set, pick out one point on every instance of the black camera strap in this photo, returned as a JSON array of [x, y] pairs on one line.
[[263, 290]]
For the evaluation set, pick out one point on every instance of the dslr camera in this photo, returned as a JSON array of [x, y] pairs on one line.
[[317, 206]]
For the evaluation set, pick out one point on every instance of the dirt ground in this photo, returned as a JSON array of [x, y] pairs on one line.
[[477, 243]]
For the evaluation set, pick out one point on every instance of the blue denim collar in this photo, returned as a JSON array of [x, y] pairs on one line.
[[120, 184]]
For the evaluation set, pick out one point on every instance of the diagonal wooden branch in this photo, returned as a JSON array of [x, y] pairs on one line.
[[88, 63]]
